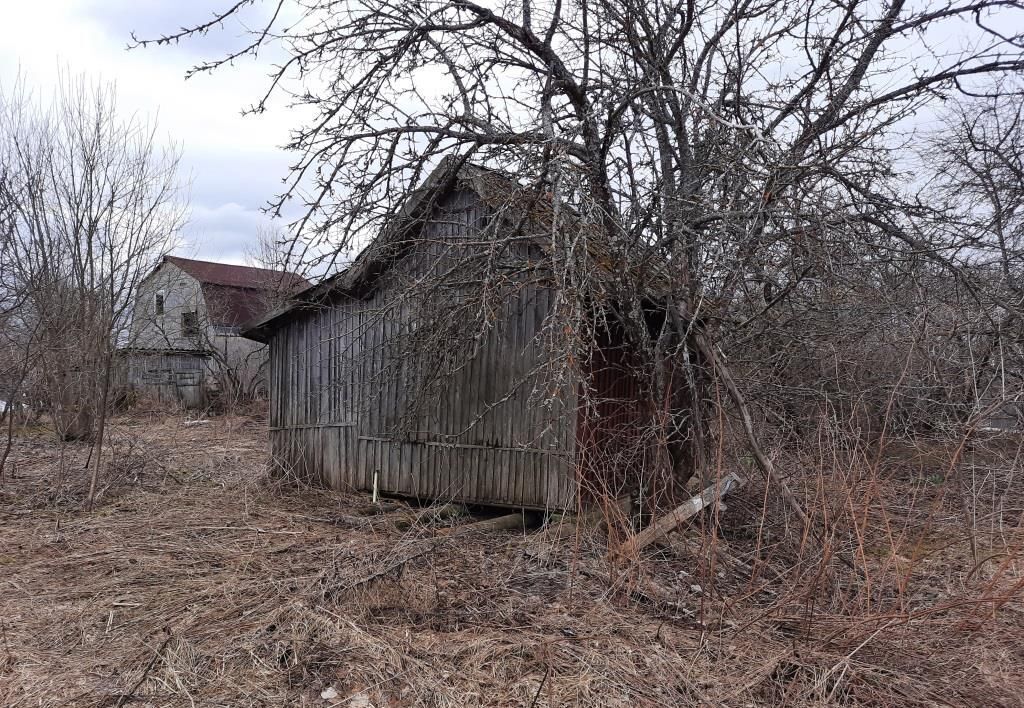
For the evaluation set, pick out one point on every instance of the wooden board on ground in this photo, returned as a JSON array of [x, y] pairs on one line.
[[498, 523], [691, 507]]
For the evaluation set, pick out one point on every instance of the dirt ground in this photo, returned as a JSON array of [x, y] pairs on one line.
[[199, 581]]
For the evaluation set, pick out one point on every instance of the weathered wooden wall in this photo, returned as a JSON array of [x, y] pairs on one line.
[[173, 377], [341, 377]]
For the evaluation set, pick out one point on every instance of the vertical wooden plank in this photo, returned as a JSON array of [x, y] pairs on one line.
[[515, 409], [283, 388], [371, 386], [300, 372], [288, 384], [296, 370], [361, 460], [371, 455]]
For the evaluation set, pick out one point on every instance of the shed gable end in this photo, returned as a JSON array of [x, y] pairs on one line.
[[425, 377]]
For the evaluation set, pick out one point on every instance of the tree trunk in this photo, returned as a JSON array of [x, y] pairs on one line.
[[98, 445]]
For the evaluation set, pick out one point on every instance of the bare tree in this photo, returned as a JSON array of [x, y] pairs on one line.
[[741, 155], [979, 156], [273, 251], [93, 201]]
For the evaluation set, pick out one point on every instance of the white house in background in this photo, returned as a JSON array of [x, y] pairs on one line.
[[185, 342]]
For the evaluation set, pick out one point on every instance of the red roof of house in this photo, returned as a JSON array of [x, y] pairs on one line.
[[230, 307], [235, 294], [237, 276]]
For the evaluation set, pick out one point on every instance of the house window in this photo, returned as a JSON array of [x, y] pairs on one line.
[[190, 324], [158, 303]]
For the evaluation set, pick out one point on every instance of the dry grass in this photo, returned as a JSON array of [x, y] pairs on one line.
[[198, 582]]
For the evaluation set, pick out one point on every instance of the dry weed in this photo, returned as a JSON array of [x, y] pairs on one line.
[[198, 582]]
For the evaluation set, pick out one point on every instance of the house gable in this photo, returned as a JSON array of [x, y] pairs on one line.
[[165, 302], [184, 303]]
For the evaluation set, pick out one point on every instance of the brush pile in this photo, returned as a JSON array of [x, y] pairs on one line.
[[200, 581]]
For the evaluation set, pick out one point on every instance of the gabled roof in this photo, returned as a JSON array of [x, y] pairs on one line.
[[533, 212], [236, 294], [385, 247], [232, 307], [236, 276]]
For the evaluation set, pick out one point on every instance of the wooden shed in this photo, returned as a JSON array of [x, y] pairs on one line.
[[354, 397]]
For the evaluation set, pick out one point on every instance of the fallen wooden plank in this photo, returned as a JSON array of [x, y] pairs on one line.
[[597, 517], [567, 526], [691, 507], [498, 523], [431, 515]]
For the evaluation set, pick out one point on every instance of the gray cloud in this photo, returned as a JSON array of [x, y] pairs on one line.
[[232, 163], [225, 232], [248, 178]]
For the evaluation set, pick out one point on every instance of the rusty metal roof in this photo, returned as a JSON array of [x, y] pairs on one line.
[[235, 294], [230, 307], [236, 276]]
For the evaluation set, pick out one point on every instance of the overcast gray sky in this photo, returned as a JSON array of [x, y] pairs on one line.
[[233, 162]]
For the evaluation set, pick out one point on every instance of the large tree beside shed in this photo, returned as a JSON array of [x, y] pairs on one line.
[[754, 147]]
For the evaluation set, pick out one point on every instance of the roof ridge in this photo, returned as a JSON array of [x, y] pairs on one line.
[[239, 276], [221, 264]]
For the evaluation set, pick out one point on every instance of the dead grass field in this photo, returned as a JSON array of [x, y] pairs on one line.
[[200, 582]]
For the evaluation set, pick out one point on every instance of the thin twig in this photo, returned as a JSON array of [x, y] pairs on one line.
[[125, 697]]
